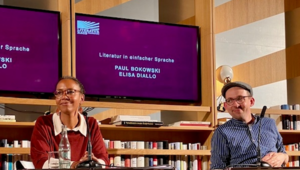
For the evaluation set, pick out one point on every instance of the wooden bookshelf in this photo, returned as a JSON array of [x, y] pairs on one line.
[[14, 150], [27, 101], [157, 152], [51, 102], [136, 152], [276, 112], [293, 153], [17, 124], [289, 131], [114, 127], [162, 128], [122, 151]]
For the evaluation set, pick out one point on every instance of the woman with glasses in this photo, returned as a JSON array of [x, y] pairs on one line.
[[46, 136], [235, 143]]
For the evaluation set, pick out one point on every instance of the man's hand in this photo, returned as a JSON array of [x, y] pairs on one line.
[[276, 159]]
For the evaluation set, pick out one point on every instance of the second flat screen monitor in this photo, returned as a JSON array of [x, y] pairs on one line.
[[137, 59]]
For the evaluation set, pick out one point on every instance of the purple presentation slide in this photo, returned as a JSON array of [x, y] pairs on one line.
[[129, 58], [29, 50]]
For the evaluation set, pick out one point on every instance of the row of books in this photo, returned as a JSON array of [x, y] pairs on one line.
[[290, 122], [135, 144], [179, 162], [7, 161], [15, 144], [293, 160], [287, 122], [116, 144]]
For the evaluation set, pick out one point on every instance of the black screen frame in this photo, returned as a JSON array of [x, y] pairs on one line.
[[29, 93], [134, 99]]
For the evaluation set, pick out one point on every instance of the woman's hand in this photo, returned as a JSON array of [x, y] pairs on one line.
[[82, 159]]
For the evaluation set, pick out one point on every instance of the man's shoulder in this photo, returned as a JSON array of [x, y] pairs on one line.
[[268, 120], [224, 126]]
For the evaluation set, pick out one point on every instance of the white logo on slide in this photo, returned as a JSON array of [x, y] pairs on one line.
[[88, 27]]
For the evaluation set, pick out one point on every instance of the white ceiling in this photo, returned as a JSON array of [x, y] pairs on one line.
[[220, 2]]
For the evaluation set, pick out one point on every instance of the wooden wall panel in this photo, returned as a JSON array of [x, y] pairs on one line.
[[293, 49], [293, 61], [96, 6], [35, 4], [64, 8], [265, 70], [204, 14], [260, 9], [292, 27], [237, 13], [174, 11], [189, 21], [291, 4], [262, 71]]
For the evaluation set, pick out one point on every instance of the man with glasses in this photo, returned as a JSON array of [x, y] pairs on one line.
[[235, 143]]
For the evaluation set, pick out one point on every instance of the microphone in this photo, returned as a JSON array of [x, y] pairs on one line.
[[89, 163], [261, 163]]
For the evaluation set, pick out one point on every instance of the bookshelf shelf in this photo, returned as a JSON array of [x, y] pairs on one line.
[[123, 151], [157, 152], [51, 102], [162, 128], [27, 101], [114, 127], [289, 131], [14, 150], [276, 112], [16, 124], [293, 153]]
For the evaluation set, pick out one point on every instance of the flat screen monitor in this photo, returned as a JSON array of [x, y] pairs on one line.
[[123, 58], [30, 50]]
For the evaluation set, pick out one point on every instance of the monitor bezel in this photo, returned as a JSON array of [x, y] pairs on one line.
[[135, 99], [29, 93]]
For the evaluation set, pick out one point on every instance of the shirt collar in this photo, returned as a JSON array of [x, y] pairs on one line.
[[238, 122], [57, 125]]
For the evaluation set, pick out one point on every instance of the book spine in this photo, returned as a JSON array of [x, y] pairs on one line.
[[127, 161], [285, 118], [117, 144], [146, 160], [117, 160], [122, 161], [140, 145], [133, 145], [140, 161], [155, 161], [204, 163], [133, 161], [150, 160], [111, 159], [177, 162]]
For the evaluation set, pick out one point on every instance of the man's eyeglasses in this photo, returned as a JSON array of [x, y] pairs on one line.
[[69, 92], [239, 100]]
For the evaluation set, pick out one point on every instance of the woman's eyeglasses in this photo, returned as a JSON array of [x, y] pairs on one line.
[[69, 93]]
